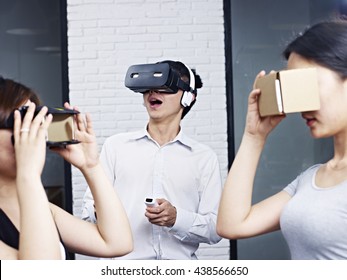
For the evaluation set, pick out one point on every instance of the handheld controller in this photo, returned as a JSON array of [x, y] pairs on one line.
[[150, 202]]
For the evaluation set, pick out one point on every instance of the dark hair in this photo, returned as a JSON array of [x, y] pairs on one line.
[[12, 96], [324, 43], [183, 72]]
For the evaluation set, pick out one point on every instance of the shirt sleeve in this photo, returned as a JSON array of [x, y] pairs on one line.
[[200, 227], [88, 210], [292, 188]]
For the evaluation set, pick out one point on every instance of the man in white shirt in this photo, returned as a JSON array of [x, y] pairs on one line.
[[161, 162]]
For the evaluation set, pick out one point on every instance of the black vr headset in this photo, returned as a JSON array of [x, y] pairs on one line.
[[161, 78], [60, 131]]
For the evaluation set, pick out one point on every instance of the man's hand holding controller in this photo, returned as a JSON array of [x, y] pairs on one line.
[[160, 212]]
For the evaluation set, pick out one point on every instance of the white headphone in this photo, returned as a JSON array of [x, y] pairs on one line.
[[188, 96]]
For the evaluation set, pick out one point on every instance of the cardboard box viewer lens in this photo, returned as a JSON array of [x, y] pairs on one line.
[[288, 91], [62, 128]]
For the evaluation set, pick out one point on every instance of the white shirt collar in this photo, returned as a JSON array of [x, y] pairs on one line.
[[180, 137]]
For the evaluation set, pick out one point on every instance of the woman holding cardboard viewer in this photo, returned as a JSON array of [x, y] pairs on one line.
[[30, 226], [312, 210]]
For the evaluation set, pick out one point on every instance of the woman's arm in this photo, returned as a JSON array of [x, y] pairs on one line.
[[237, 218], [111, 236], [38, 234]]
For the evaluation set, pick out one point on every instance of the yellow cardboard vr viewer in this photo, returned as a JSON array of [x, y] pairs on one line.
[[61, 131], [288, 91]]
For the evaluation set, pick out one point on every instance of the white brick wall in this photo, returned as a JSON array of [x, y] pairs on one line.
[[106, 36]]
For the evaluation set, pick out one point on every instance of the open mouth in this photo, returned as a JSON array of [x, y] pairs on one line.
[[155, 102]]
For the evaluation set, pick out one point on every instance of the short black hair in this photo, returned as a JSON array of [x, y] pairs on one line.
[[183, 72]]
